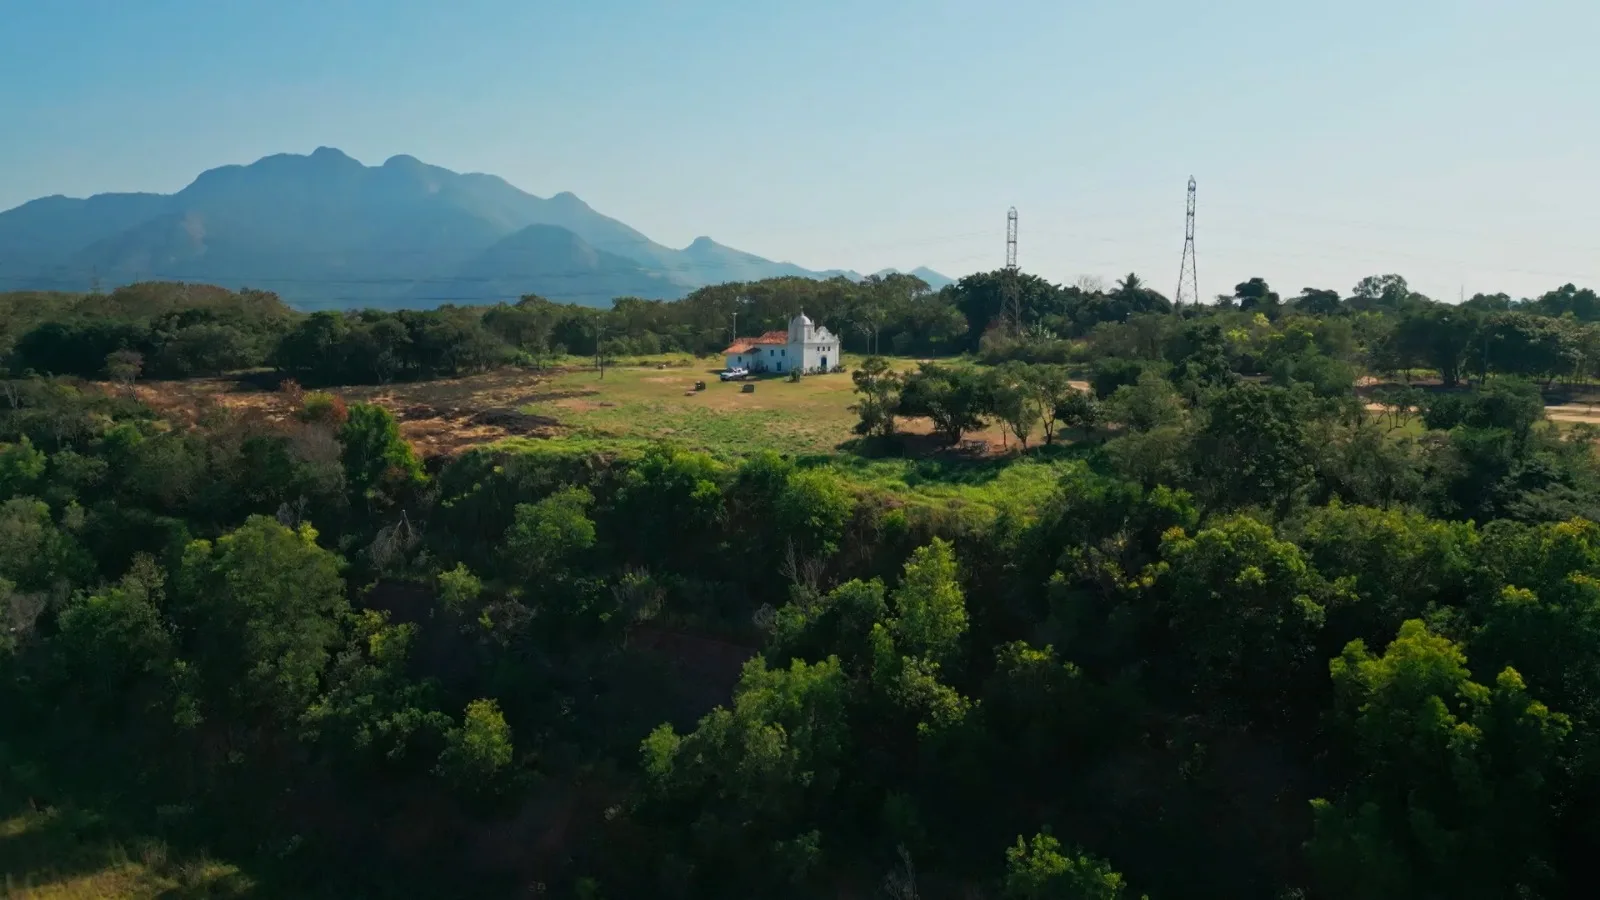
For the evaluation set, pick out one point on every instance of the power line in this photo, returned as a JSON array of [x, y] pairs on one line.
[[1187, 264]]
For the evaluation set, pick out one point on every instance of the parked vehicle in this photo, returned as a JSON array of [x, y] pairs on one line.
[[734, 374]]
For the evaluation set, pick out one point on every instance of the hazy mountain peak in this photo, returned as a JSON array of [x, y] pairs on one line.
[[325, 229], [569, 201]]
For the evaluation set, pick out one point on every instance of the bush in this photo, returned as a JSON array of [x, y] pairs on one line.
[[996, 348], [1113, 372]]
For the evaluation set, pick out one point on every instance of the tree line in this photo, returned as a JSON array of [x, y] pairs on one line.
[[176, 331]]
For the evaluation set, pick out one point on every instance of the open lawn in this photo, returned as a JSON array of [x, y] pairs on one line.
[[809, 416], [645, 403]]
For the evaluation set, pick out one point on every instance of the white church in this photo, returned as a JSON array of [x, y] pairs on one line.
[[805, 346]]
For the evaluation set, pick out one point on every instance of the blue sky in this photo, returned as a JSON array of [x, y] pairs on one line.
[[1452, 141]]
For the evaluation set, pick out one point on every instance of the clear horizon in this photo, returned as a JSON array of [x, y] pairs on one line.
[[1447, 142]]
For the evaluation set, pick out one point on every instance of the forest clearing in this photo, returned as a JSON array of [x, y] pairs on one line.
[[634, 403]]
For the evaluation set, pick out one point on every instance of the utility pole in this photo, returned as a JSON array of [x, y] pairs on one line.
[[1187, 266], [599, 358], [1011, 300]]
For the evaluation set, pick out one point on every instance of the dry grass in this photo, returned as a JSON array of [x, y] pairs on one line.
[[56, 854], [629, 404], [438, 417], [812, 415]]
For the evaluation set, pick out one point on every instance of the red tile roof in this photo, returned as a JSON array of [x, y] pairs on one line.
[[745, 345]]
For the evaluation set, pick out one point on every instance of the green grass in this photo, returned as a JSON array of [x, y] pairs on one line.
[[55, 848], [1016, 486], [63, 853], [634, 406], [643, 404], [671, 360]]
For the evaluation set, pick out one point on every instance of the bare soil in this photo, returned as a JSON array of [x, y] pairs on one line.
[[438, 417]]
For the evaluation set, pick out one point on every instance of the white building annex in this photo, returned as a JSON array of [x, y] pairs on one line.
[[805, 346]]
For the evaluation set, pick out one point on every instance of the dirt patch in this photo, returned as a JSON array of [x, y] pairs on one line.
[[438, 417], [447, 431], [1573, 413], [919, 439]]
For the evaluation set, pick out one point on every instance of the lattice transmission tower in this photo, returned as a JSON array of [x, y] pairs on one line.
[[1012, 299], [1186, 267]]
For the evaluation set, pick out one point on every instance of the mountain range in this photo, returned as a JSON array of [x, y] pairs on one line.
[[323, 230]]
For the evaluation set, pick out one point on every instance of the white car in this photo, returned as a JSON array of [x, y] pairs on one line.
[[734, 374]]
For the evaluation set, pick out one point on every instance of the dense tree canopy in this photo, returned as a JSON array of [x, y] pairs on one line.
[[1218, 619]]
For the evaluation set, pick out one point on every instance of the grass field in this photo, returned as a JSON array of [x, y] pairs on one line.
[[650, 399], [638, 401], [646, 403], [66, 854], [810, 416]]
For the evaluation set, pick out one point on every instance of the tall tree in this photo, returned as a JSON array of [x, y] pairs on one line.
[[259, 612], [1456, 780]]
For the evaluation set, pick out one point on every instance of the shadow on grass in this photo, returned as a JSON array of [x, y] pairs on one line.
[[868, 457], [101, 837], [68, 852]]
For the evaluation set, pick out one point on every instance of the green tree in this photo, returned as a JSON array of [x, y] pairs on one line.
[[1255, 296], [35, 554], [1043, 717], [955, 399], [1540, 610], [1457, 780], [259, 610], [21, 467], [879, 386], [1317, 302], [1108, 374], [1380, 292], [1150, 404], [1038, 869], [479, 751], [929, 606], [838, 623], [1076, 409], [113, 656], [378, 463], [1201, 358], [668, 508], [1245, 606], [1052, 395], [123, 366], [812, 511], [750, 781], [548, 535], [372, 713], [1393, 565], [1252, 447], [1013, 400], [459, 588]]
